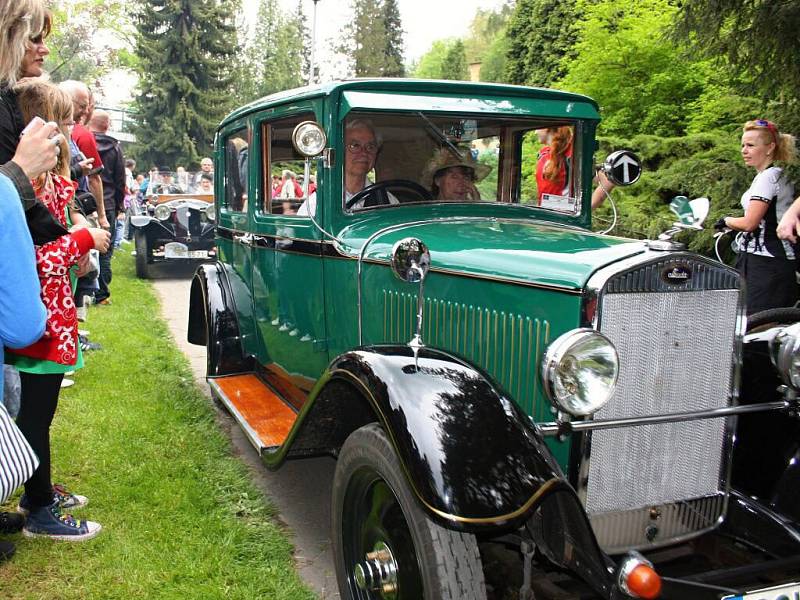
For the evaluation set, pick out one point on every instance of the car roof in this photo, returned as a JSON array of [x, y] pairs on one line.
[[399, 85]]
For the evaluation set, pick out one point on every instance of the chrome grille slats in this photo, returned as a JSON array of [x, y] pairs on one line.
[[507, 345], [664, 332]]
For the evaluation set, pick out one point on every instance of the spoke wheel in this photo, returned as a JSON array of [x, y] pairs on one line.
[[385, 546]]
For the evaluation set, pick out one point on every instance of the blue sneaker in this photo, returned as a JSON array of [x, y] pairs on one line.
[[50, 522], [65, 499]]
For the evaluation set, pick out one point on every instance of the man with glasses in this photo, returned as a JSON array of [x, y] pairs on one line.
[[361, 151]]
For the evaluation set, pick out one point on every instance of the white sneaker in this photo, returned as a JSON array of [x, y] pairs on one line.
[[65, 383], [82, 313]]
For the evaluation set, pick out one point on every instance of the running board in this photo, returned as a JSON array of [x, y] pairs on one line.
[[263, 416]]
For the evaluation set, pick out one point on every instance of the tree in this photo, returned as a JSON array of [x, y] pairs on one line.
[[636, 75], [759, 38], [74, 50], [542, 36], [394, 40], [185, 49], [430, 65], [373, 39], [454, 65], [274, 56]]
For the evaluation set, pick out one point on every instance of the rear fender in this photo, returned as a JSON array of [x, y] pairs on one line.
[[213, 322]]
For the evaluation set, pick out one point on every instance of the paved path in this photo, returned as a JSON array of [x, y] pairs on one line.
[[300, 490]]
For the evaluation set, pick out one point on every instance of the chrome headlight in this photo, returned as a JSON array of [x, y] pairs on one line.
[[162, 212], [580, 370], [784, 350], [210, 213]]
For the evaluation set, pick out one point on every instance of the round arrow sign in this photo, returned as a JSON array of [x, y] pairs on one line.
[[622, 167]]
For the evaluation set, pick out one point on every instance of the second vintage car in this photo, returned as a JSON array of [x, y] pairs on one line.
[[519, 407], [175, 221]]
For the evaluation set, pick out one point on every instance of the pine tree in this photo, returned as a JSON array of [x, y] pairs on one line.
[[185, 49], [373, 39], [394, 40], [455, 63], [274, 59], [542, 36]]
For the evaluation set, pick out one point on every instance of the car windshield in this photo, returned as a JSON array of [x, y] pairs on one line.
[[399, 158], [180, 182]]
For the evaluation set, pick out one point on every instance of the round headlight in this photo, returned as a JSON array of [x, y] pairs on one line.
[[162, 212], [210, 212], [309, 138], [580, 370], [784, 350]]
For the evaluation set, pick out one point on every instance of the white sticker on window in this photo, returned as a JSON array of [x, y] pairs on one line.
[[563, 203]]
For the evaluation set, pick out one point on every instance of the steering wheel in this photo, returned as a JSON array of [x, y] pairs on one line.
[[378, 193]]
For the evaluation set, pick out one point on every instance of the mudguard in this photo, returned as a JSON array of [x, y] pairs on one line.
[[471, 456], [213, 322], [766, 449]]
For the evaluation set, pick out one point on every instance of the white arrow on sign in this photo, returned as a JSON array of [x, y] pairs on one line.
[[625, 161]]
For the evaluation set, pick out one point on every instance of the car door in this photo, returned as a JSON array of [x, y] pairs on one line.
[[287, 278]]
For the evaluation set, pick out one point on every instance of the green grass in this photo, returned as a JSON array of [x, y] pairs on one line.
[[180, 517]]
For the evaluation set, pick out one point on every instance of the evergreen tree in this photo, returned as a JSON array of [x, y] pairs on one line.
[[305, 43], [454, 65], [542, 36], [373, 39], [274, 57], [185, 49], [394, 40]]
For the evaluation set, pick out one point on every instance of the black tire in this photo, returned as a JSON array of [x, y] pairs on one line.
[[373, 504], [772, 316], [142, 255]]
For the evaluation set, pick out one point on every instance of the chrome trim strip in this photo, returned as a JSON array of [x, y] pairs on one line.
[[551, 429], [249, 431]]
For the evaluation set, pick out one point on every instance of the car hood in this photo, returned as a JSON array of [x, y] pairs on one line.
[[523, 251]]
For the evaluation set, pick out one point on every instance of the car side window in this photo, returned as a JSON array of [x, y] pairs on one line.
[[236, 170], [286, 168]]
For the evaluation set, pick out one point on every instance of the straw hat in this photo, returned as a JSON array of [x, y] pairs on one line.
[[446, 158]]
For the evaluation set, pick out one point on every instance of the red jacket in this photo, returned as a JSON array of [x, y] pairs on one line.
[[53, 261]]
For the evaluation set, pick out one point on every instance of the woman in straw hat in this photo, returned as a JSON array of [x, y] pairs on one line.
[[453, 177]]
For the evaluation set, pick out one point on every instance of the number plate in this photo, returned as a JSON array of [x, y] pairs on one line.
[[176, 250], [198, 254], [790, 591]]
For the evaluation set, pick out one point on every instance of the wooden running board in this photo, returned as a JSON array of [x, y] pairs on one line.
[[264, 417]]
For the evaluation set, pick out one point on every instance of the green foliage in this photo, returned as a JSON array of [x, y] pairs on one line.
[[486, 27], [542, 36], [627, 65], [756, 40], [185, 49], [274, 56], [454, 65], [430, 65], [493, 65], [74, 49], [703, 164], [374, 39]]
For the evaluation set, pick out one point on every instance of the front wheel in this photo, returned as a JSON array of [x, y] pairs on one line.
[[385, 546]]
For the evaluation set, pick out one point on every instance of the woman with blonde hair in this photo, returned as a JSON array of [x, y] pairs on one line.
[[42, 364], [24, 26], [766, 262]]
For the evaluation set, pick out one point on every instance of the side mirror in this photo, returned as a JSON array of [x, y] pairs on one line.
[[622, 167]]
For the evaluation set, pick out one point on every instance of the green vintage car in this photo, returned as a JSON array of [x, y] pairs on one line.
[[519, 407]]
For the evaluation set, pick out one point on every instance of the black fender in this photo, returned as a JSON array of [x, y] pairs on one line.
[[767, 444], [213, 322], [471, 455]]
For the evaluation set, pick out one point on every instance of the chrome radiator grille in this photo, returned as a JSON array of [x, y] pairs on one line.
[[675, 351]]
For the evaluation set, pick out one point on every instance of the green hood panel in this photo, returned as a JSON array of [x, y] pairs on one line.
[[528, 252]]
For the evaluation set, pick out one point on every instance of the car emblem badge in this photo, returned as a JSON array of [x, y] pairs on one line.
[[676, 274]]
